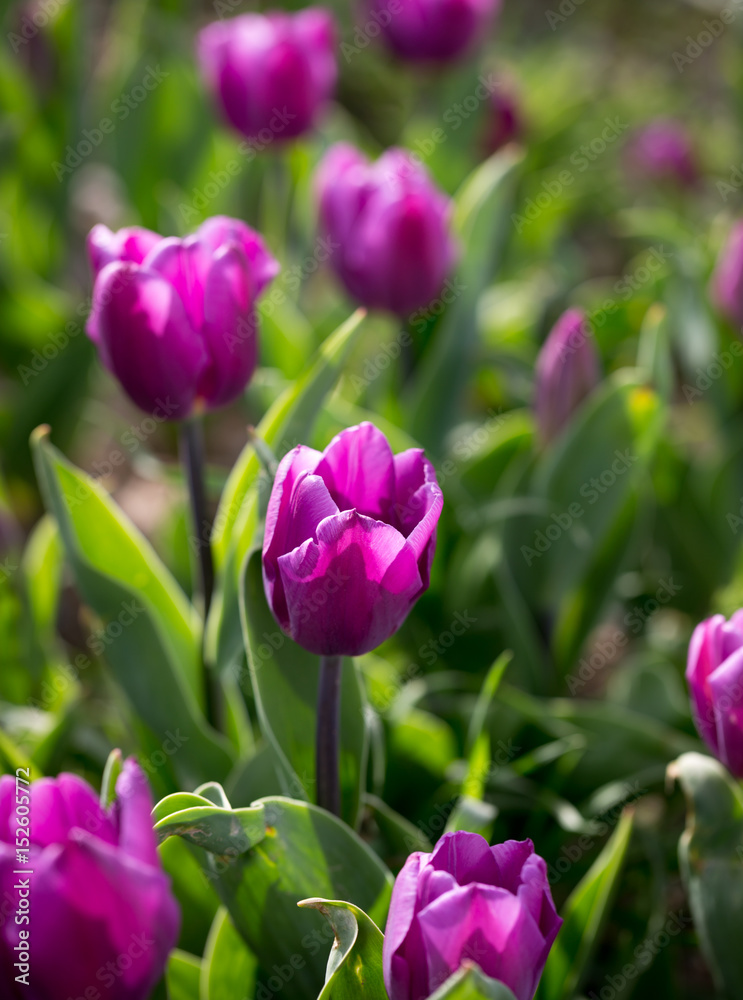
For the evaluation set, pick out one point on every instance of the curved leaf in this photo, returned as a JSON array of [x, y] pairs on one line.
[[355, 964]]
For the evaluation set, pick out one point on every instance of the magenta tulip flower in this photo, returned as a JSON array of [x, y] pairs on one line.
[[101, 914], [432, 30], [271, 74], [174, 319], [469, 902], [727, 281], [715, 675], [662, 150], [350, 538], [566, 372], [389, 228]]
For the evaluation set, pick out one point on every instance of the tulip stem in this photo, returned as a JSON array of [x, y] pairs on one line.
[[192, 456], [327, 744]]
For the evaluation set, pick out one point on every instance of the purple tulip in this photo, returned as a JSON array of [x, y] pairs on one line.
[[504, 121], [432, 30], [174, 320], [271, 74], [715, 675], [469, 902], [567, 370], [663, 150], [102, 918], [387, 226], [350, 538], [727, 281]]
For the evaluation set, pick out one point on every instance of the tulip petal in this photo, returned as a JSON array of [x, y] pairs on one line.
[[704, 656], [220, 230], [133, 807], [132, 244], [352, 588], [64, 803], [510, 857], [402, 978], [7, 808], [147, 340], [358, 468], [726, 687], [467, 857]]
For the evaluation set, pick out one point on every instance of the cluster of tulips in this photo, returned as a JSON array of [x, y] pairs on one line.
[[176, 320]]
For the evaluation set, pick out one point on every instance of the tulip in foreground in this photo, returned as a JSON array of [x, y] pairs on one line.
[[567, 371], [350, 538], [102, 917], [389, 228], [174, 319], [271, 74], [433, 30], [715, 675], [727, 281], [469, 902]]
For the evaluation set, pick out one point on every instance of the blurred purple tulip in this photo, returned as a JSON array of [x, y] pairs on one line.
[[174, 320], [727, 280], [387, 226], [432, 30], [715, 675], [350, 538], [566, 372], [662, 150], [469, 902], [271, 74], [102, 917], [504, 123]]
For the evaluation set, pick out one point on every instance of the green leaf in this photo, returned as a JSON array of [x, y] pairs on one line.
[[711, 862], [228, 970], [481, 210], [218, 829], [42, 569], [151, 632], [585, 914], [182, 976], [305, 850], [111, 773], [470, 983], [285, 679], [355, 964], [287, 423]]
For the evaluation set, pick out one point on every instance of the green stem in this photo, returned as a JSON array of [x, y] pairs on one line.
[[327, 743]]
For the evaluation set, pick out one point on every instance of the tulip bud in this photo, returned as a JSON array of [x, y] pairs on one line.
[[469, 902], [350, 538], [663, 151], [432, 30], [387, 226], [100, 910], [567, 370], [727, 281], [271, 74], [174, 320], [715, 675], [504, 122]]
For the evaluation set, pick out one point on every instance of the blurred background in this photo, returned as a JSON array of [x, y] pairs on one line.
[[103, 118]]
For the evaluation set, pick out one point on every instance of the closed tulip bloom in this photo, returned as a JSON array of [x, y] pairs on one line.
[[504, 121], [388, 227], [350, 538], [567, 370], [662, 151], [98, 897], [727, 281], [715, 675], [469, 902], [271, 74], [174, 319], [433, 30]]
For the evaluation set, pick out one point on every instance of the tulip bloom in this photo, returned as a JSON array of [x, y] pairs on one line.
[[174, 320], [469, 902], [662, 150], [715, 675], [350, 538], [567, 370], [432, 30], [271, 74], [727, 281], [388, 227], [98, 898]]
